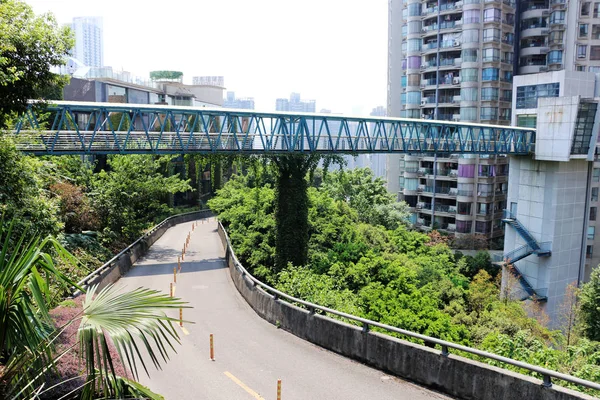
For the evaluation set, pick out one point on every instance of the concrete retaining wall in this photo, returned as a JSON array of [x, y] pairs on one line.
[[454, 375], [122, 262]]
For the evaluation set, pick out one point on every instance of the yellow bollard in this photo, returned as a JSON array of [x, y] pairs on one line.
[[179, 262], [174, 274], [171, 289], [212, 348], [278, 389], [180, 316]]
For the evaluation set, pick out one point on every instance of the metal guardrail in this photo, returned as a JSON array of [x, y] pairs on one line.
[[546, 373], [109, 264]]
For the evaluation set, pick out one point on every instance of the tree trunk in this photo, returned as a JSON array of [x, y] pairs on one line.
[[291, 213]]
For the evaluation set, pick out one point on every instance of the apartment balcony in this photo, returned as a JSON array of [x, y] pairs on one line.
[[426, 208], [533, 51], [532, 69], [440, 191], [534, 31], [558, 4], [535, 13]]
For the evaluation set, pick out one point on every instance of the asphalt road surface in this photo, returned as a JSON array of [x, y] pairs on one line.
[[250, 353]]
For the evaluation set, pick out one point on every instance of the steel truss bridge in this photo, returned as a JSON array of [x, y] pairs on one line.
[[65, 127]]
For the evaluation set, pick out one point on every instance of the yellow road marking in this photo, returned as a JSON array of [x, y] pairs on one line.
[[243, 386], [185, 331], [174, 288]]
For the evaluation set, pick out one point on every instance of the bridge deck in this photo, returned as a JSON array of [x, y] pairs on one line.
[[111, 128], [250, 349]]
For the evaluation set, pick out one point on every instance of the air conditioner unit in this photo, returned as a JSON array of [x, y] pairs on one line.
[[456, 43], [455, 119], [423, 116], [423, 102], [456, 80]]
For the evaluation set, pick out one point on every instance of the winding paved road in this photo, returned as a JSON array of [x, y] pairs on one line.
[[250, 353]]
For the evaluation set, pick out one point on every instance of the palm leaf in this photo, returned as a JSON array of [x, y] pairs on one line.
[[26, 266], [136, 323]]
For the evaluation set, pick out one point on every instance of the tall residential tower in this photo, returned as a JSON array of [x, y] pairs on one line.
[[89, 41], [452, 60]]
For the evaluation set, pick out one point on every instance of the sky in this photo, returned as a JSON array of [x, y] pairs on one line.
[[332, 51]]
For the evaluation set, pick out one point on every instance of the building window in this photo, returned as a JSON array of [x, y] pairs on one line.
[[507, 57], [468, 94], [506, 95], [413, 98], [491, 55], [555, 57], [469, 55], [490, 74], [489, 113], [583, 127], [596, 10], [594, 52], [414, 10], [580, 68], [583, 30], [581, 51], [492, 15], [470, 35], [596, 175], [556, 37], [594, 194], [491, 35], [527, 95], [469, 75], [471, 16], [591, 232], [593, 212], [527, 120], [414, 44], [585, 9], [468, 113], [489, 94], [558, 17], [589, 251], [595, 32]]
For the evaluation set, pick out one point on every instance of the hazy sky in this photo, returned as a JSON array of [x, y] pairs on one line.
[[333, 51]]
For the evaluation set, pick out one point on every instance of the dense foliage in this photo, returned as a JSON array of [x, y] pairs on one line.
[[363, 259], [29, 46]]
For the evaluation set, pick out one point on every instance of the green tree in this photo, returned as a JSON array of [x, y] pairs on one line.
[[29, 46], [368, 195], [133, 193], [23, 191], [590, 306]]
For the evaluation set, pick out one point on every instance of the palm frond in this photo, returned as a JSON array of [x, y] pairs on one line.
[[136, 323]]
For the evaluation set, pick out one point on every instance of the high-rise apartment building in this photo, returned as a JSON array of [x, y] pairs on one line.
[[89, 41], [554, 36], [295, 104], [452, 60]]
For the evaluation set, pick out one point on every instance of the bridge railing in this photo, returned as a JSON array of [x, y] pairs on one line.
[[129, 255], [546, 374]]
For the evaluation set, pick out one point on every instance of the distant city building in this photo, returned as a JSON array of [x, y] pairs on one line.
[[209, 81], [294, 104], [380, 111], [89, 41], [246, 103]]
